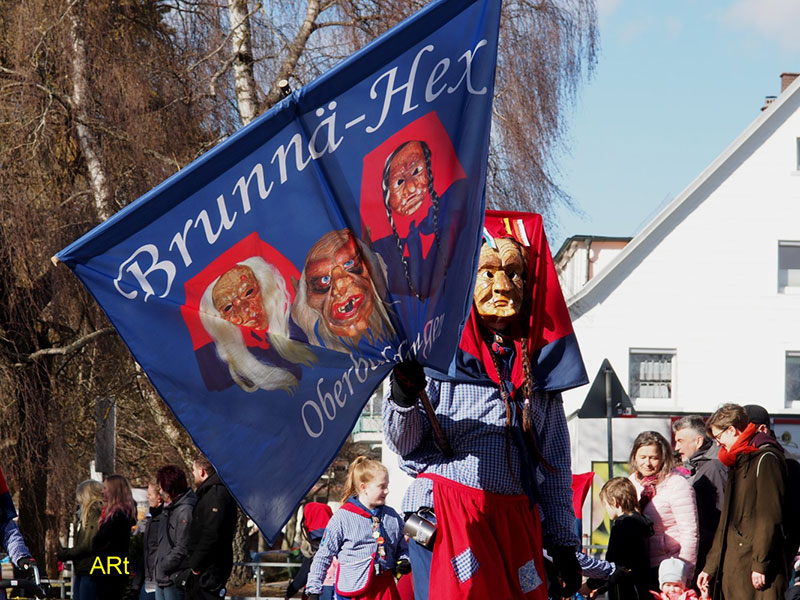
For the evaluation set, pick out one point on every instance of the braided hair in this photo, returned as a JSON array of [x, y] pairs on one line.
[[527, 408], [426, 152]]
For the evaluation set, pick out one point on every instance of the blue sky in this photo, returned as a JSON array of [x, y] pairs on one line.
[[676, 82]]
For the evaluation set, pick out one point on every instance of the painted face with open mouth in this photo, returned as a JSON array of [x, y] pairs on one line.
[[237, 297], [408, 179], [338, 284]]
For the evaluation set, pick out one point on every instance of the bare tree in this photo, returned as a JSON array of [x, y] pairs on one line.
[[101, 101], [89, 99]]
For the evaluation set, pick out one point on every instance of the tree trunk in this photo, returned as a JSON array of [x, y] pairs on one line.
[[165, 424], [80, 99], [241, 553], [246, 89], [32, 454]]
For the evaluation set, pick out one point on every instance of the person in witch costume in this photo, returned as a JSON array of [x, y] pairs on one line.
[[12, 541], [504, 491], [366, 535]]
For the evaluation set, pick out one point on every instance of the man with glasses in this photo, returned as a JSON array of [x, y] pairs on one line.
[[747, 559]]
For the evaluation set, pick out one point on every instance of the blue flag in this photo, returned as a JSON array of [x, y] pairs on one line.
[[270, 286]]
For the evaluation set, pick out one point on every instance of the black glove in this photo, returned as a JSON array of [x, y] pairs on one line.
[[569, 571], [27, 563], [408, 380], [619, 573], [180, 578], [403, 567], [313, 597]]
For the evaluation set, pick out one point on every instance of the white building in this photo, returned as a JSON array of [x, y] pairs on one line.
[[582, 257], [702, 307]]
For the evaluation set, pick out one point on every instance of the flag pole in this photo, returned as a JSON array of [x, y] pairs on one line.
[[438, 432]]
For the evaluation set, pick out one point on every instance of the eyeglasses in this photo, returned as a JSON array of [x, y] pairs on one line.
[[719, 435]]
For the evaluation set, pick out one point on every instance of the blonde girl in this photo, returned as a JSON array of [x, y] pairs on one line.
[[89, 496], [366, 535]]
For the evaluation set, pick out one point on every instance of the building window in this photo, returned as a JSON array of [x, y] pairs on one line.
[[792, 377], [788, 265], [798, 154], [651, 373]]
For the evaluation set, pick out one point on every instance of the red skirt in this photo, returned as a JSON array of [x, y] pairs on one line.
[[487, 545], [381, 587]]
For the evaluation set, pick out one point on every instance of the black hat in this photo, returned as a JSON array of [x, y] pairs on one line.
[[758, 415]]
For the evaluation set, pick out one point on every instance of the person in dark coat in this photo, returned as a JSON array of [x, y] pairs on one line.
[[747, 559], [759, 417], [89, 495], [209, 561], [627, 544], [315, 519], [112, 539], [173, 530], [707, 476], [148, 529]]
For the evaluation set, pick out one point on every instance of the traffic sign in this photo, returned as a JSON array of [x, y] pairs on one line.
[[606, 386]]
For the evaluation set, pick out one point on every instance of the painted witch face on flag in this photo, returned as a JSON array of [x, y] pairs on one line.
[[407, 189], [342, 294], [243, 301], [268, 288]]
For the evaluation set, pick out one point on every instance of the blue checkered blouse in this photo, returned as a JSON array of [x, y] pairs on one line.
[[473, 419]]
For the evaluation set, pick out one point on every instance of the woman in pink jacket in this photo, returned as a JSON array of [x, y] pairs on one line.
[[667, 499]]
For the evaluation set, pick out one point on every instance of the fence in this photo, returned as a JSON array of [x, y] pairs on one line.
[[257, 566]]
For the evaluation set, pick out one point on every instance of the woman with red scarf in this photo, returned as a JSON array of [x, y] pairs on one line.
[[747, 559], [667, 499]]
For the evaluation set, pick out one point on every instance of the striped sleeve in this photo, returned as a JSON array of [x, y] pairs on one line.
[[330, 546]]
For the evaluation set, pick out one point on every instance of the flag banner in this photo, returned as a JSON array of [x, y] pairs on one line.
[[269, 287]]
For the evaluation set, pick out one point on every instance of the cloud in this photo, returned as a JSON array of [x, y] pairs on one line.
[[607, 7], [634, 29], [773, 19]]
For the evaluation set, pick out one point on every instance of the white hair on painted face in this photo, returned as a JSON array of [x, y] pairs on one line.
[[245, 369]]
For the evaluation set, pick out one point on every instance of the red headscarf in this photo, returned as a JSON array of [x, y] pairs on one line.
[[7, 510], [546, 327]]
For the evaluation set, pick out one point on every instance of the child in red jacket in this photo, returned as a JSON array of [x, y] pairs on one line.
[[671, 581]]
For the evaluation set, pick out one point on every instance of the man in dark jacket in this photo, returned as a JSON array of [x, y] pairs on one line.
[[707, 476], [759, 417], [210, 559]]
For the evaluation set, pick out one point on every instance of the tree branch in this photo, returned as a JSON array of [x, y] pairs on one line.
[[76, 345], [296, 49]]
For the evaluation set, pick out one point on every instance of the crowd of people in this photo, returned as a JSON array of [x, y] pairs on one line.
[[181, 550], [716, 524], [710, 517]]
